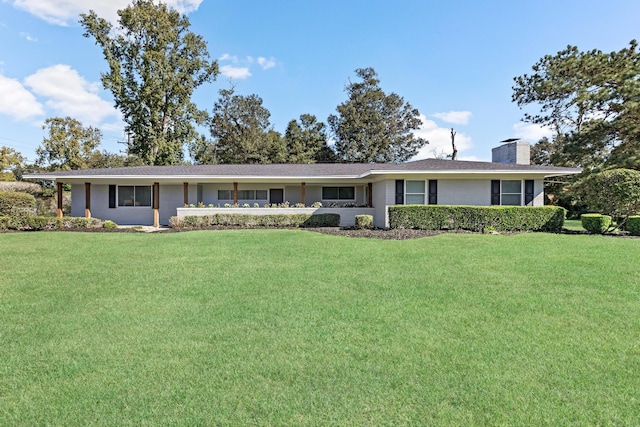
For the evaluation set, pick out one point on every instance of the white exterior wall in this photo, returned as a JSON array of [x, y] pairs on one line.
[[383, 196], [464, 192]]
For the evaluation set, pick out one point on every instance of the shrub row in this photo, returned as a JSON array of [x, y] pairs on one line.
[[595, 223], [36, 223], [248, 220], [633, 225], [12, 202], [477, 218]]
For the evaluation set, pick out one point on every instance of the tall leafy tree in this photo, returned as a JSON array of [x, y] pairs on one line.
[[306, 141], [155, 64], [68, 145], [241, 132], [11, 161], [372, 126], [591, 101]]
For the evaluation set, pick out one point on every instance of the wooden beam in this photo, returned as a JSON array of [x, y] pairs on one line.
[[370, 194], [235, 193], [156, 204], [87, 200], [186, 193], [59, 213], [304, 190]]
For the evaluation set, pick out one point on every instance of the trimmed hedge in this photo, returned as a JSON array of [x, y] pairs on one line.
[[595, 223], [248, 220], [477, 218], [633, 225], [36, 223], [364, 221], [11, 202]]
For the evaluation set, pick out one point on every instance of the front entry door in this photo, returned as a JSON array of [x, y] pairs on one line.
[[276, 196]]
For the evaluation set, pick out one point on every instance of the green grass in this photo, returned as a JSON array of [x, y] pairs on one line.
[[268, 327], [573, 225]]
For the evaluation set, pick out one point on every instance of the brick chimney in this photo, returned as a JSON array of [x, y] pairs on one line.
[[513, 152]]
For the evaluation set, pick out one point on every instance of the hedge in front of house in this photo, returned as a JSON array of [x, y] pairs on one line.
[[633, 225], [477, 218], [248, 220], [11, 201], [595, 223], [37, 223]]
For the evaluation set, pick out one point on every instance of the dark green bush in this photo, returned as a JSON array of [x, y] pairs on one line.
[[248, 220], [4, 222], [477, 218], [595, 223], [11, 202], [633, 225], [364, 221]]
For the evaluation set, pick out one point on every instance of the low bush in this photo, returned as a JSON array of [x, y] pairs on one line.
[[364, 221], [248, 220], [477, 218], [595, 223], [109, 224], [11, 202], [633, 225]]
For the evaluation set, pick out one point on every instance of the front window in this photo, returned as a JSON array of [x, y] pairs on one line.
[[134, 195], [414, 192], [243, 194], [511, 193], [338, 193]]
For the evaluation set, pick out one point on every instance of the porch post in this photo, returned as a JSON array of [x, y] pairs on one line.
[[59, 212], [370, 195], [87, 200], [304, 189], [185, 185], [235, 193], [156, 204]]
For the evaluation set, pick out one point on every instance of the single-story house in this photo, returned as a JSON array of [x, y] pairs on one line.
[[150, 195]]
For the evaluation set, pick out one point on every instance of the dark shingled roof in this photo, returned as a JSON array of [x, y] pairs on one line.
[[307, 170]]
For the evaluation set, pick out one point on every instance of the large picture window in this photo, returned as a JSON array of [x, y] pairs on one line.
[[511, 194], [134, 195], [338, 193], [414, 192]]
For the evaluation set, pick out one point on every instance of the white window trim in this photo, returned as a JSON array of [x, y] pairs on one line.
[[118, 205], [338, 187], [424, 194], [522, 183]]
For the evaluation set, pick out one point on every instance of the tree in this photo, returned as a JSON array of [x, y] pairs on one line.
[[11, 161], [614, 192], [241, 132], [306, 141], [155, 64], [69, 145], [590, 100], [372, 126]]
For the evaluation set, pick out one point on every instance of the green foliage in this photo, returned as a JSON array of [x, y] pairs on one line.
[[633, 225], [477, 218], [22, 187], [68, 146], [590, 100], [595, 223], [25, 222], [249, 220], [241, 133], [306, 141], [372, 126], [155, 64], [10, 161], [364, 221], [12, 202], [109, 224], [614, 192]]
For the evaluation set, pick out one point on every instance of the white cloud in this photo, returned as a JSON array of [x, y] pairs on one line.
[[28, 37], [235, 72], [69, 94], [227, 57], [60, 12], [16, 101], [531, 132], [266, 63], [439, 140], [455, 117]]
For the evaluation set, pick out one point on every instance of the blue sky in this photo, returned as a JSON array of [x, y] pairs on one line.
[[453, 60]]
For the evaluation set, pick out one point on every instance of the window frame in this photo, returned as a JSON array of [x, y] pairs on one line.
[[135, 204], [408, 194], [503, 193], [338, 188]]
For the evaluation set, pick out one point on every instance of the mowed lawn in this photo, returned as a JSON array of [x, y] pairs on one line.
[[287, 327]]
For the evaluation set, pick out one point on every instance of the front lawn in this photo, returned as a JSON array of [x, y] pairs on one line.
[[290, 327]]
